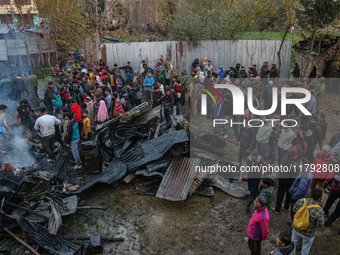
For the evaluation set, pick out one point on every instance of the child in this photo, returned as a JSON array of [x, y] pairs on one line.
[[86, 126], [267, 190]]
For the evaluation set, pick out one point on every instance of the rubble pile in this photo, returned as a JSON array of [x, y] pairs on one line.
[[136, 147]]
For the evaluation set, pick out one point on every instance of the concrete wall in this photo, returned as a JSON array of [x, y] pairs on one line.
[[182, 54]]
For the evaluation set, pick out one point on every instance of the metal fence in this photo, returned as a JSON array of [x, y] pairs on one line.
[[182, 54]]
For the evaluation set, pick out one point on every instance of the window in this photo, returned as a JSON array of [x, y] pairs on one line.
[[5, 2], [22, 2]]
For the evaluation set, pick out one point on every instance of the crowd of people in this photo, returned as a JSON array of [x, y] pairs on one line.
[[85, 96]]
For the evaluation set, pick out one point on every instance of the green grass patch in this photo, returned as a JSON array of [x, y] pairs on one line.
[[294, 37]]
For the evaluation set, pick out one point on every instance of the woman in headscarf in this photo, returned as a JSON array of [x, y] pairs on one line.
[[102, 114], [220, 72], [201, 75], [118, 108], [195, 64], [89, 108], [204, 63], [168, 71], [160, 64]]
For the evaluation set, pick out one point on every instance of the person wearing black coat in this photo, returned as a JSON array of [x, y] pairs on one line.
[[131, 94], [247, 141]]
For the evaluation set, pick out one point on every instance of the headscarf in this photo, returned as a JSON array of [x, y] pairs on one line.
[[221, 73], [205, 61], [102, 115], [195, 64], [201, 76], [89, 108], [168, 64], [118, 108]]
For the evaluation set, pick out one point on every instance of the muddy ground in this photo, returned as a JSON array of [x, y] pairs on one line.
[[154, 226]]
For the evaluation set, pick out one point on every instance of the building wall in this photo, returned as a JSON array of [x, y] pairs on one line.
[[27, 15], [8, 7]]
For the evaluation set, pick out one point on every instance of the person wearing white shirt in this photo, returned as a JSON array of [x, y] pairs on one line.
[[46, 126]]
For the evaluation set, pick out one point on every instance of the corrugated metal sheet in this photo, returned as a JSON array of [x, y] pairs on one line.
[[199, 178], [182, 54], [5, 28], [178, 178], [3, 51], [17, 47]]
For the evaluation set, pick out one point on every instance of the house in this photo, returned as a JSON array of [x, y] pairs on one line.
[[25, 15]]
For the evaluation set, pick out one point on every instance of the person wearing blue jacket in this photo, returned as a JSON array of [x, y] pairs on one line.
[[149, 81], [301, 185], [72, 138]]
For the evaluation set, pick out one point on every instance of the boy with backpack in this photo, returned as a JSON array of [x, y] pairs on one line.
[[308, 215], [301, 185]]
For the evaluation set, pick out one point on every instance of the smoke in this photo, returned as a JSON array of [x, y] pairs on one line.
[[18, 153]]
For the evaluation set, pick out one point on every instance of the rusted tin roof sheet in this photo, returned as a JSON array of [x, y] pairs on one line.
[[178, 179], [199, 178]]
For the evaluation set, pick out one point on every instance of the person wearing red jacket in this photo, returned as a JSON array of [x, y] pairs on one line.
[[322, 169], [64, 95], [77, 116]]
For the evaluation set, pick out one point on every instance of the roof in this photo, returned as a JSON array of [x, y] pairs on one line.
[[6, 28], [34, 30]]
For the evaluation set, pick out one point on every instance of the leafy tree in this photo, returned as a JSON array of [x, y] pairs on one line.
[[64, 23], [203, 20], [315, 14]]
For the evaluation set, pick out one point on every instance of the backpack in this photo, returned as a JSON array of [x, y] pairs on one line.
[[301, 218]]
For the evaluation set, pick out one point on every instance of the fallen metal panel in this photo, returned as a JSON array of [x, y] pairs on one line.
[[178, 178], [55, 245], [153, 149], [231, 187], [114, 172], [199, 178]]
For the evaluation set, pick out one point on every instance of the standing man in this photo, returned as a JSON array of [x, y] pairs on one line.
[[129, 72], [286, 180], [262, 139], [46, 125], [72, 138], [253, 162], [247, 142], [264, 72], [149, 81], [49, 95], [258, 227], [314, 218], [184, 82], [322, 161], [168, 105], [33, 87]]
